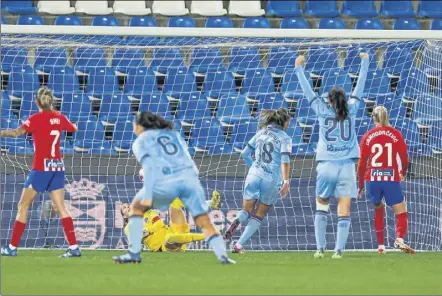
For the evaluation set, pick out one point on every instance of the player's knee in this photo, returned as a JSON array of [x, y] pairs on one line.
[[322, 204], [139, 208], [23, 205], [379, 205]]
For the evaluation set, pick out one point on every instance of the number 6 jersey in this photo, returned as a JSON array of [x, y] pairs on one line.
[[47, 128]]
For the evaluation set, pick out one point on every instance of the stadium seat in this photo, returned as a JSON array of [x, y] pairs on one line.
[[397, 59], [283, 8], [293, 23], [124, 59], [413, 82], [331, 23], [193, 107], [22, 80], [383, 100], [181, 21], [114, 107], [55, 7], [207, 133], [326, 8], [140, 81], [90, 135], [8, 143], [246, 8], [427, 109], [243, 59], [281, 59], [352, 62], [89, 58], [434, 136], [3, 20], [256, 23], [48, 58], [303, 150], [290, 88], [142, 21], [436, 24], [68, 20], [430, 8], [271, 101], [30, 20], [294, 131], [406, 24], [409, 130], [165, 59], [13, 56], [99, 7], [233, 109], [321, 60], [123, 136], [76, 106], [218, 83], [208, 8], [259, 81], [364, 8], [131, 7], [18, 6], [218, 22], [369, 24], [28, 107], [242, 133], [156, 103], [23, 148], [397, 8], [377, 83], [63, 80], [6, 106], [105, 21], [202, 59], [169, 8], [363, 125], [101, 81], [304, 114], [224, 149], [179, 82], [334, 78]]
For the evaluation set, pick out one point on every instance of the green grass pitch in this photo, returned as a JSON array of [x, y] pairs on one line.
[[42, 272]]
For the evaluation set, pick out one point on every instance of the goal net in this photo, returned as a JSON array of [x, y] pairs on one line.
[[212, 84]]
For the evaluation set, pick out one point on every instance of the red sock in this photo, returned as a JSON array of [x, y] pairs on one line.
[[401, 225], [379, 225], [17, 231], [69, 232]]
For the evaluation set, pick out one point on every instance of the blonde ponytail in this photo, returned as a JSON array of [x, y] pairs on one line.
[[380, 116], [44, 98]]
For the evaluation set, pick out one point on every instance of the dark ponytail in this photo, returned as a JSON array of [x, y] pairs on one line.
[[149, 120], [338, 100], [278, 117]]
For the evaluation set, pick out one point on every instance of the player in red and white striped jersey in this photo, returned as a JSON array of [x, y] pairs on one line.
[[383, 165]]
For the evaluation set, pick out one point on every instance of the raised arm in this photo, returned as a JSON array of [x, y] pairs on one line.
[[360, 85], [306, 88]]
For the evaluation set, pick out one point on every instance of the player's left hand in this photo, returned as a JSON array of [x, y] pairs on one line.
[[284, 190], [363, 55], [360, 191]]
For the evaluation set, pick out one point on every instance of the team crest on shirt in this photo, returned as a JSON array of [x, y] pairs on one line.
[[88, 210]]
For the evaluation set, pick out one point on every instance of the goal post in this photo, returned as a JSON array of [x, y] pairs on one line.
[[212, 83]]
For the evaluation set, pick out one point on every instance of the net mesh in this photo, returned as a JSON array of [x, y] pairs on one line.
[[213, 89]]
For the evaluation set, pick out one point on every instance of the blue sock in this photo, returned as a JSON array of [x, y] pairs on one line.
[[320, 228], [343, 229], [251, 228], [135, 233], [242, 216], [218, 246]]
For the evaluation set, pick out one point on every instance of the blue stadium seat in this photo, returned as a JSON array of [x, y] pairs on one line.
[[221, 149], [271, 101], [436, 24], [397, 59], [105, 21], [377, 83], [294, 131], [114, 107], [321, 60], [18, 6], [293, 23], [28, 107], [363, 125], [314, 138], [156, 103], [218, 22], [76, 106], [8, 123], [68, 20], [382, 100], [88, 58], [193, 107], [233, 109], [331, 23], [397, 8], [290, 88], [326, 8], [427, 109], [409, 130], [166, 58], [202, 59], [413, 82], [17, 56], [90, 135], [336, 78], [3, 20], [207, 133], [243, 59], [369, 24], [123, 136], [218, 83], [281, 59], [181, 21], [101, 80], [435, 135], [259, 81], [395, 107], [179, 82], [283, 8], [140, 81], [242, 133], [6, 106], [22, 80], [406, 24], [352, 62], [362, 110], [303, 150], [142, 21], [30, 20], [25, 148], [304, 114], [430, 8], [365, 8], [63, 80], [48, 58], [124, 59], [256, 23]]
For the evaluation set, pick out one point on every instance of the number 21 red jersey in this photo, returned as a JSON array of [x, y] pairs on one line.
[[383, 155], [46, 128]]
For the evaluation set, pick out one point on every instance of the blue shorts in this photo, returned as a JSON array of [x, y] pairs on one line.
[[262, 190], [390, 191], [189, 190], [336, 178], [45, 181]]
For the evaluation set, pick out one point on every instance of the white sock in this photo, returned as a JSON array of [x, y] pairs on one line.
[[381, 247], [73, 247], [12, 247]]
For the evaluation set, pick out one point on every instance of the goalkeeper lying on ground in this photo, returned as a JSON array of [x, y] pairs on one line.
[[159, 237]]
